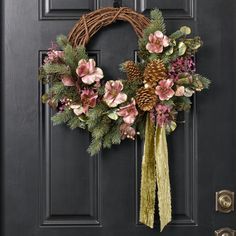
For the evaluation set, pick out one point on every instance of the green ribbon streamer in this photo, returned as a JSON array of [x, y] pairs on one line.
[[155, 174]]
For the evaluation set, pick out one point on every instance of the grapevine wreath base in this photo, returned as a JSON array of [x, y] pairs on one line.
[[145, 103]]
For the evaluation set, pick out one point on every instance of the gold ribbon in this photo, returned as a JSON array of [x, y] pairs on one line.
[[155, 174]]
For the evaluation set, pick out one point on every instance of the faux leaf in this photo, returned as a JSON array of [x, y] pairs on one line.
[[185, 29]]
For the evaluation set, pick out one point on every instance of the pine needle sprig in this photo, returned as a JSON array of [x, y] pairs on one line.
[[62, 117], [60, 69]]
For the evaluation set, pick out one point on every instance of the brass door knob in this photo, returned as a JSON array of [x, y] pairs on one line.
[[225, 232], [225, 201]]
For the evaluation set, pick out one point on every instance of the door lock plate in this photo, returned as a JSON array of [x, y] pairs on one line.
[[225, 232], [225, 201]]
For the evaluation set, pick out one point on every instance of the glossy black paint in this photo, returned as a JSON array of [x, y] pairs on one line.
[[49, 184]]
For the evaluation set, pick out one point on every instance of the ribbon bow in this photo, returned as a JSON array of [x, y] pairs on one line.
[[155, 176]]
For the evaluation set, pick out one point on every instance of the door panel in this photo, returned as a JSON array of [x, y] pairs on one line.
[[50, 185]]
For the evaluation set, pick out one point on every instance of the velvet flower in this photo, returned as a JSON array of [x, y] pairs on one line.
[[182, 65], [164, 89], [128, 113], [54, 56], [157, 42], [88, 71], [163, 114], [88, 100], [113, 95]]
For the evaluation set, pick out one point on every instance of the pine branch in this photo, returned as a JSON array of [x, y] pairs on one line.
[[102, 129], [94, 147], [157, 20], [62, 117], [75, 122], [60, 69], [62, 41], [94, 115], [112, 137], [81, 53]]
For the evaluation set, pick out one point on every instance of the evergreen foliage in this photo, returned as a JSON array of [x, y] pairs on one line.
[[60, 69], [62, 117]]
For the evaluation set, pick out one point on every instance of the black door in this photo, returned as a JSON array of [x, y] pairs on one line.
[[51, 187]]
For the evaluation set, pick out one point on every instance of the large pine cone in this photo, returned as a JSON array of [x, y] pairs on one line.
[[154, 71], [146, 98], [132, 70]]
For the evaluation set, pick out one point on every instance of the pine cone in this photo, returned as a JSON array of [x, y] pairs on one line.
[[132, 70], [154, 71], [146, 98]]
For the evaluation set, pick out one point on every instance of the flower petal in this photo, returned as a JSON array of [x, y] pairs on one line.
[[159, 34], [165, 41], [89, 79], [91, 66], [122, 97]]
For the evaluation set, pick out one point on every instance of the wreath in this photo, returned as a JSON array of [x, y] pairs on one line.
[[145, 103]]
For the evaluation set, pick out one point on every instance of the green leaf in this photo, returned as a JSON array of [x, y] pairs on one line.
[[182, 48], [169, 51], [185, 30], [176, 35], [113, 115], [171, 127]]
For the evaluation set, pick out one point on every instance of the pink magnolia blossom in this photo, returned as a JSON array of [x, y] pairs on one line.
[[113, 95], [127, 131], [68, 80], [128, 113], [164, 89], [157, 42], [163, 114], [180, 91], [88, 71], [88, 99]]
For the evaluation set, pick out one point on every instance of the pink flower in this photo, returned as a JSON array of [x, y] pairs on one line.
[[88, 71], [127, 131], [180, 91], [54, 56], [88, 99], [113, 95], [164, 89], [157, 42], [163, 114], [181, 66], [128, 113], [67, 80]]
